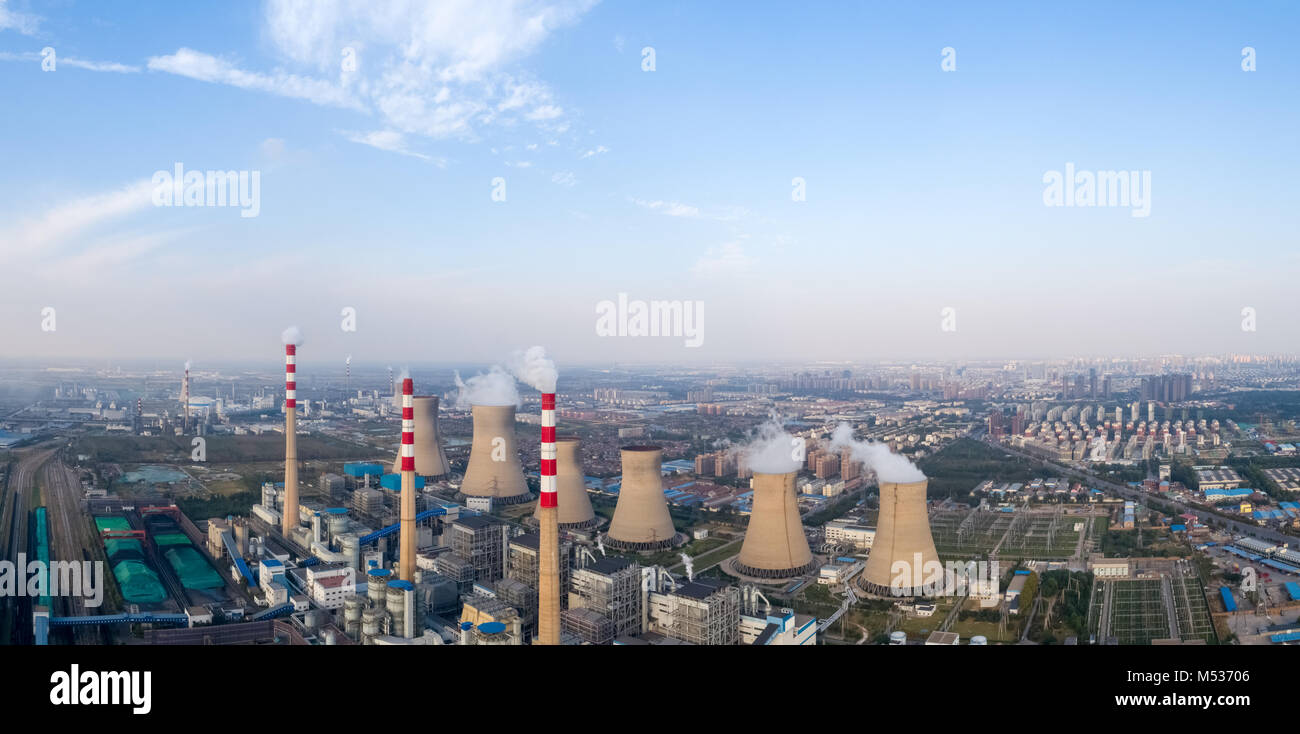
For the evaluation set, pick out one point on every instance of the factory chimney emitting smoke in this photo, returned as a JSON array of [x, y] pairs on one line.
[[289, 521], [406, 558]]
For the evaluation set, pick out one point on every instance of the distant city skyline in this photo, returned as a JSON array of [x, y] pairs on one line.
[[380, 141]]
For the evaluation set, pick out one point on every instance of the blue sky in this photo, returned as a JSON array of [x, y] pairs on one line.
[[924, 187]]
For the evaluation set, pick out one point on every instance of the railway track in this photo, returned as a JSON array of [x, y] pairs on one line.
[[16, 611], [68, 539]]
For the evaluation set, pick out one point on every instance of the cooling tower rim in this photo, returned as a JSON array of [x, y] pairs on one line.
[[642, 447], [776, 473], [426, 397], [567, 439]]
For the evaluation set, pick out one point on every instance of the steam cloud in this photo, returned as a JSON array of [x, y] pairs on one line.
[[888, 466], [495, 387], [348, 360], [291, 335], [772, 450], [532, 367], [187, 365]]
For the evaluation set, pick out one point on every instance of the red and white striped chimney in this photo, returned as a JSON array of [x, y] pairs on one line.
[[290, 519], [548, 570], [548, 450], [406, 557]]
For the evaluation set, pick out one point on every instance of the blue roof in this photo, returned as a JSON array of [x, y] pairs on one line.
[[337, 510], [360, 469], [1178, 528], [1286, 637], [394, 481], [1228, 602], [1022, 573], [400, 584], [466, 625], [1293, 589], [492, 628], [272, 562], [379, 572]]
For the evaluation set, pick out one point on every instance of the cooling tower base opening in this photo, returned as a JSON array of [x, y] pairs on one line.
[[772, 573], [885, 592], [585, 525], [498, 501], [641, 546]]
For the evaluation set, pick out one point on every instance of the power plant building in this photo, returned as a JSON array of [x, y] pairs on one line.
[[704, 612], [480, 541], [522, 562], [612, 587]]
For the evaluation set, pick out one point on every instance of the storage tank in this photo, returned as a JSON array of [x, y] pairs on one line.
[[338, 524], [350, 546], [372, 621], [241, 537], [402, 608], [979, 640], [377, 586], [898, 637], [491, 633], [352, 608], [329, 637]]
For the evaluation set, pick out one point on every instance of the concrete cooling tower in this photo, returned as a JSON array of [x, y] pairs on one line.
[[641, 520], [494, 469], [902, 535], [430, 460], [775, 546], [575, 505]]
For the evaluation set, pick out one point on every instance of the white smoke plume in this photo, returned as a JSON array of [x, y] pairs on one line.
[[406, 372], [532, 367], [291, 335], [772, 450], [494, 387], [888, 466], [188, 363], [348, 360]]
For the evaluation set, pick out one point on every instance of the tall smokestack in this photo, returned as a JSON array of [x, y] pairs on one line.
[[185, 398], [574, 510], [548, 572], [775, 546], [406, 559], [493, 469], [290, 519], [641, 520]]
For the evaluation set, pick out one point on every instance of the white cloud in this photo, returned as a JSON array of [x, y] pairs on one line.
[[205, 67], [24, 23], [671, 208], [391, 141], [64, 61], [564, 178], [431, 69], [729, 259], [112, 66], [55, 226], [595, 151]]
